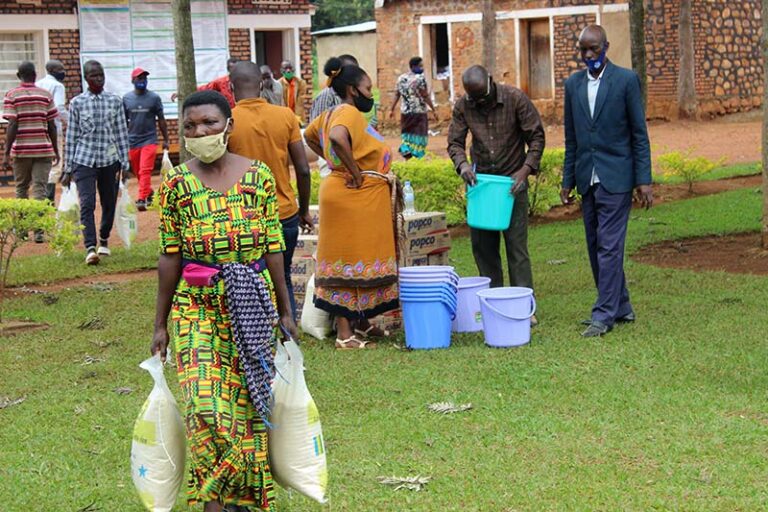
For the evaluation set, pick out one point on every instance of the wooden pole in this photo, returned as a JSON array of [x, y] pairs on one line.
[[686, 92], [489, 36], [186, 77], [764, 44]]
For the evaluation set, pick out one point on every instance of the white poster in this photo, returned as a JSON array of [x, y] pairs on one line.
[[126, 34]]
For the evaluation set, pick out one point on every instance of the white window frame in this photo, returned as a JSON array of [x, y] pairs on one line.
[[41, 47]]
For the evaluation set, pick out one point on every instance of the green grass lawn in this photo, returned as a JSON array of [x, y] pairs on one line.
[[728, 171], [667, 414]]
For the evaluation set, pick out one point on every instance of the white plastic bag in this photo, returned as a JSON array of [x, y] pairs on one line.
[[296, 447], [69, 207], [166, 165], [159, 445], [314, 321], [126, 217]]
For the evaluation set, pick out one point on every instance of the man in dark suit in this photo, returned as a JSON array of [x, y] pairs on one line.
[[607, 155]]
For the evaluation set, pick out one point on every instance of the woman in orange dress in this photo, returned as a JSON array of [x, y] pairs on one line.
[[356, 276]]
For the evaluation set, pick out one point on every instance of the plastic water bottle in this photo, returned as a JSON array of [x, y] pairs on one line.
[[410, 199]]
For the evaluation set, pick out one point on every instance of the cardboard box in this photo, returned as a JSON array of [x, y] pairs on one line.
[[314, 210], [417, 261], [424, 223], [428, 244], [391, 320], [299, 286], [303, 267], [440, 258], [306, 246]]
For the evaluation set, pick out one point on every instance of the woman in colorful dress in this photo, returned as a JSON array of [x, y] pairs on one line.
[[356, 276], [220, 276], [414, 126]]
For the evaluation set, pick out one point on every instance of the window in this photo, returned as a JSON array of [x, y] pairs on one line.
[[15, 48]]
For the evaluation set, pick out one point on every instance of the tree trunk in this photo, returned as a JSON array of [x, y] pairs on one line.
[[637, 41], [764, 44], [489, 36], [686, 94], [186, 78]]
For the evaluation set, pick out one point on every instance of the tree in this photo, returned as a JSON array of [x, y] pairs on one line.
[[637, 41], [686, 93], [186, 75], [764, 44], [338, 13], [489, 36]]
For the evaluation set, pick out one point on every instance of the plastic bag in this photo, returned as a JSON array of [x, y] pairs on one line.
[[314, 321], [167, 165], [296, 448], [69, 207], [159, 445], [126, 217]]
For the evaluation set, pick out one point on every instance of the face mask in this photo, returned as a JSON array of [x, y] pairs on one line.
[[363, 103], [289, 75], [59, 75], [141, 86], [209, 148], [596, 65], [96, 89], [419, 70]]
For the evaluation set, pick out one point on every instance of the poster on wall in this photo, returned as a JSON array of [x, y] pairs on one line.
[[126, 34]]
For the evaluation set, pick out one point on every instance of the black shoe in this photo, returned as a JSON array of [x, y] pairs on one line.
[[141, 205], [595, 330], [39, 237], [150, 198], [626, 319]]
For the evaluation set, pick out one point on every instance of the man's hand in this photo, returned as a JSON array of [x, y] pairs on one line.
[[355, 180], [56, 157], [392, 114], [166, 145], [160, 343], [66, 179], [468, 175], [306, 222], [644, 195], [565, 196], [521, 179], [435, 117], [174, 96], [7, 162]]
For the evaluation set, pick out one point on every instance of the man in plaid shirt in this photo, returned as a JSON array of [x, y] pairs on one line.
[[96, 152]]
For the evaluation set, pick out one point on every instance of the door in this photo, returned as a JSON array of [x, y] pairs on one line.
[[540, 59]]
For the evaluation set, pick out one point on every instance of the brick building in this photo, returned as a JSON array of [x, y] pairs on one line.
[[536, 48], [265, 31]]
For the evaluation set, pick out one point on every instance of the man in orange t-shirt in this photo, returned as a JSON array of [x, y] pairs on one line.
[[294, 89], [270, 133]]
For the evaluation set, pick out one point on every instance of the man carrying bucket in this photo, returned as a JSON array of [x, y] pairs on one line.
[[507, 140], [607, 154]]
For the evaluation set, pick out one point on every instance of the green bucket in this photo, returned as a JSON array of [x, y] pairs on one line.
[[490, 203]]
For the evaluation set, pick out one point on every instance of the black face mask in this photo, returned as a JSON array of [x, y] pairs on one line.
[[363, 103], [59, 75]]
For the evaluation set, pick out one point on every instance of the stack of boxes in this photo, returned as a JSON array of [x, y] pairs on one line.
[[428, 242]]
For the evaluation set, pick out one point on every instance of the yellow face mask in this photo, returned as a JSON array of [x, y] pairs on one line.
[[210, 148]]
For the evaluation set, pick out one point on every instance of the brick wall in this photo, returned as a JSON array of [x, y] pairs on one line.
[[65, 46], [566, 39], [45, 7], [240, 43], [248, 7], [729, 73], [305, 56]]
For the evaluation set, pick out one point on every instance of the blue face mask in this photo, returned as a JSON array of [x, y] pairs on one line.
[[141, 85], [596, 65], [418, 70]]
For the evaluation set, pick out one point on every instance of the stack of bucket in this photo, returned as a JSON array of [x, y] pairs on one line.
[[428, 296]]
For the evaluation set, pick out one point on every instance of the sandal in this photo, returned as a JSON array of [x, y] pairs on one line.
[[366, 333], [346, 344]]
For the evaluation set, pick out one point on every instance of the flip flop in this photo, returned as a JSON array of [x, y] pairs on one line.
[[360, 344], [366, 333]]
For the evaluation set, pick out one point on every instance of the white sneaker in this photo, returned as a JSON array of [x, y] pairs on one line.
[[104, 251], [91, 258]]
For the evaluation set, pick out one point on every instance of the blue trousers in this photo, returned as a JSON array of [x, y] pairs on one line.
[[605, 222], [89, 180], [291, 236]]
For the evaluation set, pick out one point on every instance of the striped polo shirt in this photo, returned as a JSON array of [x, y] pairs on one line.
[[31, 107]]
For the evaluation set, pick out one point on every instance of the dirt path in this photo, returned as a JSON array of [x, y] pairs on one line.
[[101, 281]]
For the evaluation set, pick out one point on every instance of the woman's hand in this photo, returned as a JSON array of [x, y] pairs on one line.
[[287, 322], [160, 343], [355, 180]]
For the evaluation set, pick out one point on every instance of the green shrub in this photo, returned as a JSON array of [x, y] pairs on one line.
[[545, 186], [20, 216], [684, 165], [437, 186]]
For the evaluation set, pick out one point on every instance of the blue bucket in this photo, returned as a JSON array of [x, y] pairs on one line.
[[490, 203], [429, 287], [427, 322]]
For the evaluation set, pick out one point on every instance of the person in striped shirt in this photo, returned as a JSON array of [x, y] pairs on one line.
[[95, 156], [30, 139]]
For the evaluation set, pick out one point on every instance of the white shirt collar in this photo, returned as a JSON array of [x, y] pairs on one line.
[[590, 78]]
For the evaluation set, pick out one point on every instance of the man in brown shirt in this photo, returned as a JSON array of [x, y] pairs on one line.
[[507, 140]]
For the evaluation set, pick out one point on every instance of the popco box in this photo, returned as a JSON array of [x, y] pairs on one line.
[[303, 267], [424, 223], [440, 258], [417, 261], [305, 247], [429, 244], [299, 286]]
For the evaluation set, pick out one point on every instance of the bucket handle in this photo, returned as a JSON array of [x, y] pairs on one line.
[[487, 304]]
